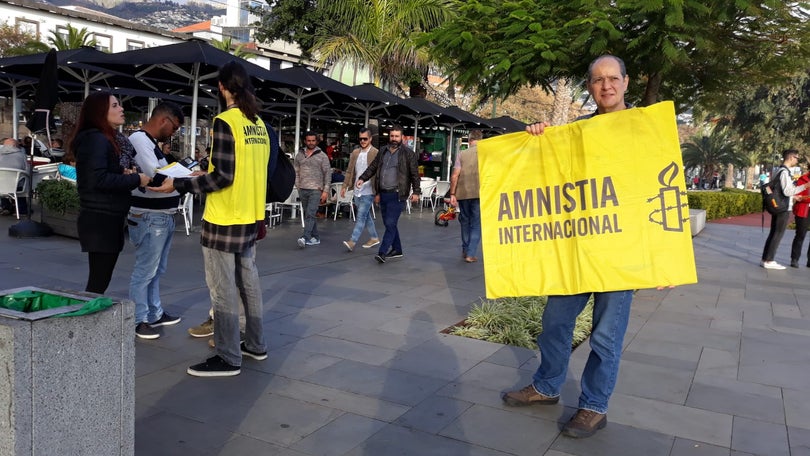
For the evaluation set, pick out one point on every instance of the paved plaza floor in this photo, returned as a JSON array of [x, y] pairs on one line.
[[358, 364]]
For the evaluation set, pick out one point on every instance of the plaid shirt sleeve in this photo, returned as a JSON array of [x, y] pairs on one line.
[[223, 157]]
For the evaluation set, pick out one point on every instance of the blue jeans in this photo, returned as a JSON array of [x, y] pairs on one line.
[[151, 233], [611, 312], [470, 218], [391, 208], [229, 275], [310, 200], [364, 219]]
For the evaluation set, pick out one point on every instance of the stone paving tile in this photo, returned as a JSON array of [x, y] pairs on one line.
[[511, 356], [343, 312], [759, 437], [719, 363], [374, 336], [665, 349], [732, 397], [503, 431], [686, 447], [797, 408], [424, 329], [358, 404], [671, 419], [241, 444], [669, 332], [617, 439], [291, 363], [433, 414], [400, 441], [171, 434], [662, 361], [799, 441], [376, 381], [653, 381], [346, 349], [775, 359], [339, 436], [302, 325]]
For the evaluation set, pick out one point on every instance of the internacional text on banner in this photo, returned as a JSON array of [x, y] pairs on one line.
[[595, 205]]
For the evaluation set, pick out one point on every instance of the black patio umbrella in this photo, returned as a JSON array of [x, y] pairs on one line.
[[507, 124], [40, 122], [372, 98]]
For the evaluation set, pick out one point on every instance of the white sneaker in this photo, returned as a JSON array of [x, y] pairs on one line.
[[313, 241], [301, 242], [772, 265]]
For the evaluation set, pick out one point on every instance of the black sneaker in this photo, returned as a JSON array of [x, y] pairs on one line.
[[145, 331], [380, 258], [258, 356], [165, 320], [392, 254], [214, 367]]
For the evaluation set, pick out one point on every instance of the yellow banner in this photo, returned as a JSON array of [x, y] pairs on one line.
[[595, 205]]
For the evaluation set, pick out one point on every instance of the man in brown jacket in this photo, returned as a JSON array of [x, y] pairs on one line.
[[364, 196]]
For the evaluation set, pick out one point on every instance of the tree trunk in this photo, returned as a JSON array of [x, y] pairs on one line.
[[729, 176], [749, 178], [652, 88], [562, 102], [416, 90]]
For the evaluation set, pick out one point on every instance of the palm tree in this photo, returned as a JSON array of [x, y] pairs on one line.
[[710, 152], [379, 34], [227, 44], [74, 39]]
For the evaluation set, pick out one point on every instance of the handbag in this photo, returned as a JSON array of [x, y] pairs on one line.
[[773, 198]]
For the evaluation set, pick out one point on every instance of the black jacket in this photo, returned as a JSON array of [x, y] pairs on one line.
[[100, 180], [407, 171]]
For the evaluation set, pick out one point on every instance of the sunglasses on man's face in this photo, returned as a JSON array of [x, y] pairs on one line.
[[363, 139]]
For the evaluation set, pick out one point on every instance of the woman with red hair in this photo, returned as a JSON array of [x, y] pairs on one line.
[[105, 177]]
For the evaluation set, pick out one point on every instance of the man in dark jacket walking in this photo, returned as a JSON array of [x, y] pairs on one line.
[[396, 173]]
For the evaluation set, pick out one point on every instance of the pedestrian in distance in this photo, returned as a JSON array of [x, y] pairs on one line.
[[313, 175], [364, 196], [779, 222], [395, 174], [464, 195]]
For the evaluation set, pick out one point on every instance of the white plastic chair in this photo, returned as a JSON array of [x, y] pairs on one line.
[[442, 187], [428, 187], [42, 172], [344, 201], [294, 204], [186, 209], [14, 182], [273, 213]]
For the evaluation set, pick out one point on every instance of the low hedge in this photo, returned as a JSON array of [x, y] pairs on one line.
[[726, 203]]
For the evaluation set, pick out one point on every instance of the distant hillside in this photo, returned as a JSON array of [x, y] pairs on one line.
[[162, 14]]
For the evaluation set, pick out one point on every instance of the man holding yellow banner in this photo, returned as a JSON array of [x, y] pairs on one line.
[[603, 219]]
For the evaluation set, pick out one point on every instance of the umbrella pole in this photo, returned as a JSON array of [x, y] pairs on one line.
[[297, 123], [194, 99], [15, 116], [450, 153]]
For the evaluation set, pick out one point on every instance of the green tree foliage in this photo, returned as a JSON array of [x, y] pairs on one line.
[[380, 34], [687, 50], [295, 21], [711, 152], [74, 39], [16, 42]]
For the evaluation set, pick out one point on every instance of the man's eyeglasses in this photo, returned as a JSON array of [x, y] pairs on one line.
[[364, 139], [175, 126]]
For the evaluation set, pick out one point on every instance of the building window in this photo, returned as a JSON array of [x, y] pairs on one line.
[[132, 44], [103, 42], [62, 32], [26, 26]]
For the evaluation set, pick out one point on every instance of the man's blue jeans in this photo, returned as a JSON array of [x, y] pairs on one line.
[[310, 200], [151, 233], [229, 275], [364, 219], [391, 208], [611, 313], [470, 218]]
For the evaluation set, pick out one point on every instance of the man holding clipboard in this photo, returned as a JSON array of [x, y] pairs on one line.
[[151, 221]]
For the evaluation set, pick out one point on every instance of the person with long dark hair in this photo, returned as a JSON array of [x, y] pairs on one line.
[[234, 207], [105, 176]]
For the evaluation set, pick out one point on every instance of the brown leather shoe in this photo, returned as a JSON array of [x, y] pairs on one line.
[[528, 396], [584, 423]]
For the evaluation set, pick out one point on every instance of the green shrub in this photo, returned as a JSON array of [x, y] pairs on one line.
[[725, 203], [516, 321], [58, 195]]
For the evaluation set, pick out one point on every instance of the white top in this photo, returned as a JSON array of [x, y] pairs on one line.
[[359, 168]]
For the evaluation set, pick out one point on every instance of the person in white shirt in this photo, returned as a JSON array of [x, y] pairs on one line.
[[364, 197]]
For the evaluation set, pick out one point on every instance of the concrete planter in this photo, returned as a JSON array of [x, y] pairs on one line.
[[67, 385], [61, 224]]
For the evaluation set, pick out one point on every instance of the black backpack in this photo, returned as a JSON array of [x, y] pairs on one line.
[[773, 198], [280, 172]]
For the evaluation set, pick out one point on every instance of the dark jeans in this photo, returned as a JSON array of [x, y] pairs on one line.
[[801, 229], [391, 208], [779, 223]]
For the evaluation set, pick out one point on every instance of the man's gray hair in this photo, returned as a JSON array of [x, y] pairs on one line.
[[622, 68]]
